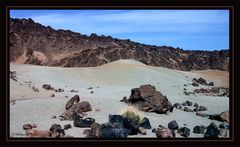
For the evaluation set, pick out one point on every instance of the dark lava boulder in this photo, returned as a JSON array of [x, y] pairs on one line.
[[146, 98], [212, 131], [111, 131], [184, 131], [145, 123], [83, 123], [115, 119], [124, 122], [199, 129], [173, 125]]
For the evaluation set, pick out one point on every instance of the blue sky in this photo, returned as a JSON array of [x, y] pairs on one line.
[[186, 29]]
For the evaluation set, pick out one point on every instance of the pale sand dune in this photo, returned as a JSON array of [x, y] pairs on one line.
[[114, 80]]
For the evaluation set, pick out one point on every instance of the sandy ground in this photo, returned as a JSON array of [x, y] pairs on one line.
[[110, 83]]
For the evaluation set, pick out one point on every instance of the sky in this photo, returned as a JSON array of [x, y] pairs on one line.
[[186, 29]]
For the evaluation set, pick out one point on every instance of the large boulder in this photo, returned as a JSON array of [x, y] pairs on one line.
[[212, 131], [146, 98], [125, 122], [75, 99], [77, 108], [108, 130]]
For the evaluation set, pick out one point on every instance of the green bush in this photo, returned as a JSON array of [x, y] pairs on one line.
[[132, 116]]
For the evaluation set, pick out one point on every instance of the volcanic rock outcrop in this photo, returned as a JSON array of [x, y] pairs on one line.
[[34, 43]]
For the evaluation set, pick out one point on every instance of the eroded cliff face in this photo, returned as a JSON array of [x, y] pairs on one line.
[[34, 43]]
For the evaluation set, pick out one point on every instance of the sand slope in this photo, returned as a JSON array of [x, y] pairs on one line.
[[110, 83]]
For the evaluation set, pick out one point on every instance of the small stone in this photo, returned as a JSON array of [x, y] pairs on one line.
[[34, 125], [66, 96], [211, 84], [199, 129], [195, 105], [52, 95], [68, 126], [195, 84], [61, 119], [189, 103], [184, 104], [177, 106], [91, 92], [186, 109], [53, 117], [142, 131], [202, 114], [225, 116], [223, 126], [202, 108], [97, 109], [87, 131], [222, 133], [184, 131], [27, 126], [145, 123], [164, 133], [90, 88], [154, 130]]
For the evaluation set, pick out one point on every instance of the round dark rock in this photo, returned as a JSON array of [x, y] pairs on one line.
[[202, 108], [189, 103], [184, 131], [199, 129], [195, 105], [173, 125]]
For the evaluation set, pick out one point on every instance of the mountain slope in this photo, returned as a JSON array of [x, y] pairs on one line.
[[34, 43]]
